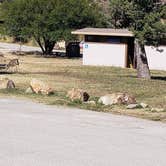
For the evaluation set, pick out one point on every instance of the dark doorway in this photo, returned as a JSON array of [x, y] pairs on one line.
[[130, 51]]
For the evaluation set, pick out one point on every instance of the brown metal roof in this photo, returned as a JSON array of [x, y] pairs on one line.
[[103, 32]]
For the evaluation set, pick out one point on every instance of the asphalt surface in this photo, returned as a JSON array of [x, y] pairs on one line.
[[34, 134], [11, 47]]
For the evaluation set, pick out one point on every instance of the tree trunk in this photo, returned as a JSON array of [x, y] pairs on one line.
[[142, 62], [40, 44], [49, 46]]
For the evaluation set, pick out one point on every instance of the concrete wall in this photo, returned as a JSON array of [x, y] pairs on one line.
[[156, 59], [104, 54]]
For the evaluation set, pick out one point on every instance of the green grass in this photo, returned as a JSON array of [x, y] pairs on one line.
[[64, 74]]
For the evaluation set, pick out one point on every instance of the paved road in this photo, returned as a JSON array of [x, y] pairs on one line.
[[37, 135], [11, 47]]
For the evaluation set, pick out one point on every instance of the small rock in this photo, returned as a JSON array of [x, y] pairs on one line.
[[78, 94], [1, 54], [29, 90], [157, 109], [133, 106], [41, 87], [91, 102], [143, 105], [10, 85], [5, 83]]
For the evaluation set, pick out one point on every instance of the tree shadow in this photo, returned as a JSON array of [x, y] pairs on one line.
[[162, 78], [6, 73]]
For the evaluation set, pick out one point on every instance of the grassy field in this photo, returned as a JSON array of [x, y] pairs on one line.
[[64, 74]]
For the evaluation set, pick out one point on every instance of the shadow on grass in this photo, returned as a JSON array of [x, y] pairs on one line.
[[38, 54], [44, 73], [162, 78], [6, 73], [12, 91]]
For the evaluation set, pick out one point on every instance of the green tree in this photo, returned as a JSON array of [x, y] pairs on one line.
[[122, 13], [143, 17], [48, 21]]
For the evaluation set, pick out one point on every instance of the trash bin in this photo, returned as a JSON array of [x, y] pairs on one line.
[[73, 49]]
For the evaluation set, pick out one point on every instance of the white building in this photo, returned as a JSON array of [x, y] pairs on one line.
[[115, 47]]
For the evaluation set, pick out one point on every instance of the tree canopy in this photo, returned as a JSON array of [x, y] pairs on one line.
[[143, 17], [146, 18], [49, 20]]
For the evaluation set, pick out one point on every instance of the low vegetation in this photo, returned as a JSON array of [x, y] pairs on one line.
[[64, 74]]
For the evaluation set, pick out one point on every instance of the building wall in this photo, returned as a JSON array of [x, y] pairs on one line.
[[156, 57], [103, 54]]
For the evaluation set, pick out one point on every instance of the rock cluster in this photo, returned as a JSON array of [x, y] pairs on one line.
[[117, 98], [40, 87]]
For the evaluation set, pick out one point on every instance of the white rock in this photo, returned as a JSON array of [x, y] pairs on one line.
[[133, 106], [157, 109], [29, 90], [143, 105], [91, 102], [106, 100]]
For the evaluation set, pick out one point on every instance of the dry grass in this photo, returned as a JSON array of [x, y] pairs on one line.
[[64, 74]]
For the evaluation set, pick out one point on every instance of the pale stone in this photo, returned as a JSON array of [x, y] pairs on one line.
[[144, 105], [106, 100], [3, 83], [157, 109], [91, 102], [41, 87], [10, 85], [133, 106], [29, 90], [78, 94]]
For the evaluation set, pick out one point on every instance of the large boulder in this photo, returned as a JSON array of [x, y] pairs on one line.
[[39, 87], [117, 98], [78, 94], [6, 83]]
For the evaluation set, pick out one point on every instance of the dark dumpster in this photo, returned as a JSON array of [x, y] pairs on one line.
[[73, 50]]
